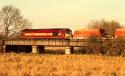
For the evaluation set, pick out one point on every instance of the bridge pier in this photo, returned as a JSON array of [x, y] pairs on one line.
[[34, 49], [68, 50], [4, 49]]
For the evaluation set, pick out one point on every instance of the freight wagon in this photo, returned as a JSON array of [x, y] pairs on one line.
[[120, 33], [88, 33]]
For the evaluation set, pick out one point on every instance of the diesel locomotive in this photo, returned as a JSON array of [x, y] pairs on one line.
[[62, 33]]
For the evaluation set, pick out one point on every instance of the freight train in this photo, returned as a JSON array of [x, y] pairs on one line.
[[62, 33], [66, 33]]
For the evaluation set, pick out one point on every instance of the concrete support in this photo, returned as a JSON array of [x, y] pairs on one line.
[[34, 49], [4, 49], [68, 50]]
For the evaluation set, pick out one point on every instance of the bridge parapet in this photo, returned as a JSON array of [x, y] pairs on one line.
[[45, 42], [50, 42]]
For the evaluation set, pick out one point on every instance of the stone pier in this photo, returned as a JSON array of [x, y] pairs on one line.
[[4, 49], [68, 50], [34, 49]]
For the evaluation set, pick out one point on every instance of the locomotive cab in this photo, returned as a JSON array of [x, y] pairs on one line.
[[68, 34]]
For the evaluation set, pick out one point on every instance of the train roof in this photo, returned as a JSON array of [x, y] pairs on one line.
[[49, 29], [120, 29], [88, 29]]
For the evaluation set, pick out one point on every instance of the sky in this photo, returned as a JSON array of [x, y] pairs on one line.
[[73, 14]]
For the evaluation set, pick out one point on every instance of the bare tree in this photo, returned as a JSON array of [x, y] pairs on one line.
[[12, 22]]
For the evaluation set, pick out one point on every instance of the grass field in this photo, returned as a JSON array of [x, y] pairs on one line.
[[60, 65]]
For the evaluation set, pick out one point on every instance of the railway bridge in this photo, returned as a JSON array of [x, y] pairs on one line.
[[34, 43]]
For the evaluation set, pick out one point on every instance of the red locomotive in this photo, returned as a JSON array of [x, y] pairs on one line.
[[46, 33]]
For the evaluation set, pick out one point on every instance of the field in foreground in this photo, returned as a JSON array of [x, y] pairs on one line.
[[60, 65]]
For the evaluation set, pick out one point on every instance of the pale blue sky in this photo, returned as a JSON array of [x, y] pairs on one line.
[[68, 13]]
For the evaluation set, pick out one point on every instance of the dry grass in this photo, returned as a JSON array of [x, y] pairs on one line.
[[60, 65]]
